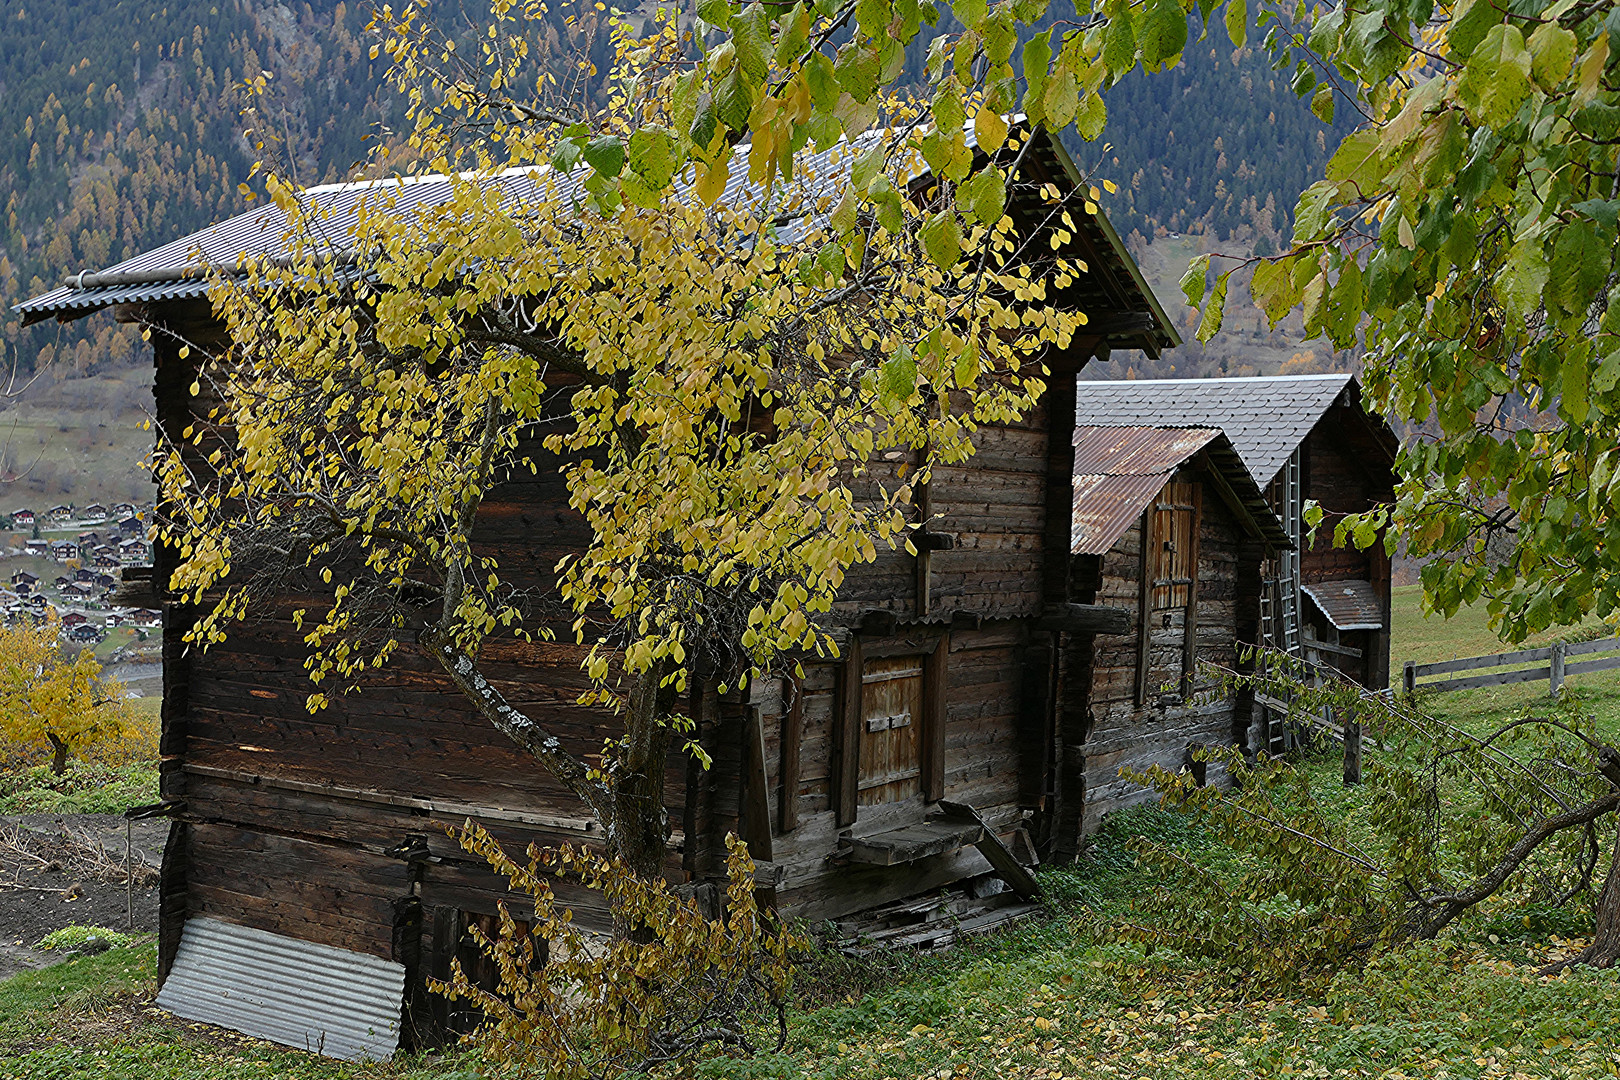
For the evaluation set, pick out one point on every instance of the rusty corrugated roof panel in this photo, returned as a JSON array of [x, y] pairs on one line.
[[1106, 506], [1119, 470], [1137, 451], [1348, 605]]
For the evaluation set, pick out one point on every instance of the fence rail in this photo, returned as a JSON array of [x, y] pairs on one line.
[[1556, 669]]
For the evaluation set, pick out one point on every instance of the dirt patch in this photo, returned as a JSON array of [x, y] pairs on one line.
[[61, 870]]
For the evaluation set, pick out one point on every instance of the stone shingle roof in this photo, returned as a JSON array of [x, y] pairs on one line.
[[1264, 416]]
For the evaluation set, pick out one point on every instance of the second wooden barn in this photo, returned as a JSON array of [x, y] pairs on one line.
[[1169, 526]]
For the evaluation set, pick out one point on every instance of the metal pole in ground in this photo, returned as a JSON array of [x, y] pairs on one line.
[[129, 874]]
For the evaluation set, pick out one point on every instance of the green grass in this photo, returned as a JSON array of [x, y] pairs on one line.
[[1048, 998], [86, 788], [1427, 639]]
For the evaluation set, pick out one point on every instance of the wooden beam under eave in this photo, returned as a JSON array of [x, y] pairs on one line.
[[1088, 619]]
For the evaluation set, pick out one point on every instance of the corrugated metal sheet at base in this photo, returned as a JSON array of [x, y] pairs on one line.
[[1349, 605], [326, 1000]]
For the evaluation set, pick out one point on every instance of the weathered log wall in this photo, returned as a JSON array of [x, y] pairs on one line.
[[1124, 735]]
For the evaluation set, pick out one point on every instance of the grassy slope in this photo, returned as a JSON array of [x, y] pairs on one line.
[[1427, 639]]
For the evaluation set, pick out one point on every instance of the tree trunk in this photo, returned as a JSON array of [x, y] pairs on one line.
[[638, 827], [59, 753], [1605, 948]]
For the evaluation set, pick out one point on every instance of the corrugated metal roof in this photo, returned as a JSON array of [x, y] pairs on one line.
[[1118, 471], [1113, 284], [329, 1001], [1265, 417], [1348, 605]]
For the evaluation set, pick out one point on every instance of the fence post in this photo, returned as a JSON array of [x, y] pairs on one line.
[[1352, 752], [1557, 667], [1409, 677]]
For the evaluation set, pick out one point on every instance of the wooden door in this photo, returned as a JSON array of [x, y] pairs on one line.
[[890, 732]]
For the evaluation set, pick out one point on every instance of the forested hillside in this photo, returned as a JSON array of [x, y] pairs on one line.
[[121, 129]]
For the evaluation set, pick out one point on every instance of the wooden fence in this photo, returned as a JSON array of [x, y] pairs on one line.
[[1552, 662]]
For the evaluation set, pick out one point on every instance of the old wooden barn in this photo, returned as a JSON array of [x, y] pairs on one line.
[[1303, 438], [308, 887], [1169, 527]]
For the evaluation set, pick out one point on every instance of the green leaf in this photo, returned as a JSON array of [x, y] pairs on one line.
[[1469, 26], [1552, 49], [858, 70], [822, 81], [898, 380], [683, 101], [605, 155], [872, 16], [984, 196], [867, 167], [793, 35], [941, 238], [1164, 33], [1091, 116], [1215, 310], [716, 13], [1358, 164], [949, 113], [1523, 277], [1272, 288], [566, 156], [831, 259], [654, 156], [1581, 262], [734, 99], [1119, 40], [887, 202], [1037, 56], [970, 13], [1607, 373], [1572, 398], [1497, 78], [1192, 282], [843, 217], [751, 34], [1326, 31], [1000, 35], [1322, 103], [1313, 212], [1237, 22]]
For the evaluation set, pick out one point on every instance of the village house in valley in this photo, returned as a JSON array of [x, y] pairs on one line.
[[948, 744]]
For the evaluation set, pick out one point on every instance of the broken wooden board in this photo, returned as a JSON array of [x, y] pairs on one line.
[[912, 842], [990, 846]]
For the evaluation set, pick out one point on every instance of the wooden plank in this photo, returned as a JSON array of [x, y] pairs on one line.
[[1584, 666], [910, 843], [791, 748], [381, 798], [1144, 601], [1007, 866], [756, 789], [1474, 663], [847, 734], [1335, 649], [1499, 678], [1581, 648], [1088, 619], [1189, 641], [936, 680]]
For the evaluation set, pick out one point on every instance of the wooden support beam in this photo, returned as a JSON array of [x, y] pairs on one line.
[[1189, 641], [792, 738], [935, 683], [1088, 619], [847, 734], [1144, 607], [756, 789], [1007, 865]]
